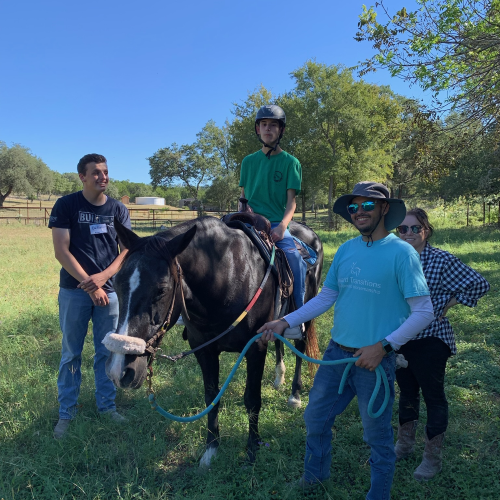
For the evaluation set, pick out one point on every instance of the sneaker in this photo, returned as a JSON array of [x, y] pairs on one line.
[[305, 486], [61, 428], [115, 416]]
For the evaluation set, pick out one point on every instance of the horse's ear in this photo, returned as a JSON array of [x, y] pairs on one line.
[[178, 244], [126, 236]]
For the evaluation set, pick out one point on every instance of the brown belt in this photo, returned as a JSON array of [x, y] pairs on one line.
[[348, 349]]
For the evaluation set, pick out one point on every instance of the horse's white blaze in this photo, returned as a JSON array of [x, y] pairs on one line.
[[116, 369], [134, 285], [207, 457], [280, 375]]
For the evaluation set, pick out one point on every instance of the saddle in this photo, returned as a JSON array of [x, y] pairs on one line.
[[258, 229]]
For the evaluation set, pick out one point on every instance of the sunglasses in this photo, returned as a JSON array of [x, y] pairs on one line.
[[367, 206], [404, 229]]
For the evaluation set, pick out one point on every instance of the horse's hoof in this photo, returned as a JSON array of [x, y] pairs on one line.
[[294, 402], [207, 458]]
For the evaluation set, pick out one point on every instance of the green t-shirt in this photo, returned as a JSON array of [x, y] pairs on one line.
[[266, 182]]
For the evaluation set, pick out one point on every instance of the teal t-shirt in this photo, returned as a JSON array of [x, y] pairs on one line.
[[373, 284], [266, 182]]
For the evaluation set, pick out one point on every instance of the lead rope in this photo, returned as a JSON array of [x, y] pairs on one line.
[[379, 373]]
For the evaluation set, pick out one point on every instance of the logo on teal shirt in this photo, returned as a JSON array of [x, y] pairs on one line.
[[278, 176]]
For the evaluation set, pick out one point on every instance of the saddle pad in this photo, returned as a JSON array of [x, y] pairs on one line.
[[305, 251]]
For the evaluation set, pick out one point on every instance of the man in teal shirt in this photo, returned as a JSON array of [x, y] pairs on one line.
[[269, 180], [381, 302]]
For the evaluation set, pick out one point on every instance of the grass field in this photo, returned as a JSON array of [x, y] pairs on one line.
[[151, 458]]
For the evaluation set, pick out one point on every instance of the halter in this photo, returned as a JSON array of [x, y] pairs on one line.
[[154, 342]]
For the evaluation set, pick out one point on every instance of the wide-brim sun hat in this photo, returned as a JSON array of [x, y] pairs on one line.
[[376, 191]]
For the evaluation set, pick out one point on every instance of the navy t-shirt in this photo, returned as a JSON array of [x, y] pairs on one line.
[[93, 238]]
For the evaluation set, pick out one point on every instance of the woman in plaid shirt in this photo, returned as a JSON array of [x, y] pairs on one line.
[[450, 282]]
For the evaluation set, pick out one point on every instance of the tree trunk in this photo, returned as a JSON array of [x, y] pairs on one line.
[[3, 197], [467, 214], [331, 194], [484, 213], [304, 206]]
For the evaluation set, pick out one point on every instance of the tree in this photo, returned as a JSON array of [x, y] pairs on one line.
[[192, 164], [112, 190], [223, 192], [40, 177], [350, 126], [15, 162], [446, 46]]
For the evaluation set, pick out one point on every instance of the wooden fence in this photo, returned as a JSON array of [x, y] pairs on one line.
[[147, 219]]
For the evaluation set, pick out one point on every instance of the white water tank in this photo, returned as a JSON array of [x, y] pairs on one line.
[[149, 200]]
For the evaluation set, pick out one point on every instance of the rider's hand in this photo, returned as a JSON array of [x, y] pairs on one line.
[[370, 356], [278, 233], [99, 297], [278, 326]]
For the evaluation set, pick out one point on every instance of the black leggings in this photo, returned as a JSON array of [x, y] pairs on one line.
[[426, 367]]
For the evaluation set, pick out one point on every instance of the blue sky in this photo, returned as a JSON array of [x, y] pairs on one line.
[[126, 78]]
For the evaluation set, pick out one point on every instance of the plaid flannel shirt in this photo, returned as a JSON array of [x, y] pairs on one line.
[[447, 276]]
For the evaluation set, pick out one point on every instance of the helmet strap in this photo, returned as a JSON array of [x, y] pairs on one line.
[[271, 148]]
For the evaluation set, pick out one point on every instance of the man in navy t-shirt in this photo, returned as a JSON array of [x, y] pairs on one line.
[[87, 247]]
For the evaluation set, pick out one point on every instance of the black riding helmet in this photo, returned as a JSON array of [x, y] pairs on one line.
[[271, 112]]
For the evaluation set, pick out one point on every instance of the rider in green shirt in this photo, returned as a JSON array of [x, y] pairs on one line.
[[269, 180]]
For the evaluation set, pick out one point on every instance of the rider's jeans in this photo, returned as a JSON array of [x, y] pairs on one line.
[[297, 265], [75, 311], [325, 404]]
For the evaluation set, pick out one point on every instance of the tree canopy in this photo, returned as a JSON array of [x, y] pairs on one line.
[[21, 171], [450, 47]]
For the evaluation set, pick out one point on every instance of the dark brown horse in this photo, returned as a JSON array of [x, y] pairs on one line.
[[221, 272]]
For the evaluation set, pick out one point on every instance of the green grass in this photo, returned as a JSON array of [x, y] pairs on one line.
[[151, 458]]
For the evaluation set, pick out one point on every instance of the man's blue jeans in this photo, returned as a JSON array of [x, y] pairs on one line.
[[297, 265], [325, 404], [75, 311]]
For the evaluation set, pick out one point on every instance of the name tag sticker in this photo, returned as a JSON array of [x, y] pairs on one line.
[[98, 228]]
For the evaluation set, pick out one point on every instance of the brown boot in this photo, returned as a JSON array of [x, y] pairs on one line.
[[406, 440], [433, 458]]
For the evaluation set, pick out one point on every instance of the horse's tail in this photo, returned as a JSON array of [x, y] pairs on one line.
[[312, 349]]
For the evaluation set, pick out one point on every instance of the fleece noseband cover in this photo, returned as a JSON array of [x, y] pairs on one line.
[[121, 344]]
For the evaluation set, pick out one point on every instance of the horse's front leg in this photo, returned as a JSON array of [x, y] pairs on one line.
[[209, 363], [253, 397], [294, 399], [280, 365]]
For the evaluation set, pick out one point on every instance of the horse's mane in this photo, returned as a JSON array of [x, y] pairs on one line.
[[154, 246]]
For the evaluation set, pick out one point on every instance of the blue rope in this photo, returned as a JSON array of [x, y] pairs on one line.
[[379, 372]]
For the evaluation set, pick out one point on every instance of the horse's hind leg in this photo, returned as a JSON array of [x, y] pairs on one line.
[[209, 363], [253, 398], [280, 365], [294, 399]]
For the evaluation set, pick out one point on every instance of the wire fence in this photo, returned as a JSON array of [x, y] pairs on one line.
[[143, 219]]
